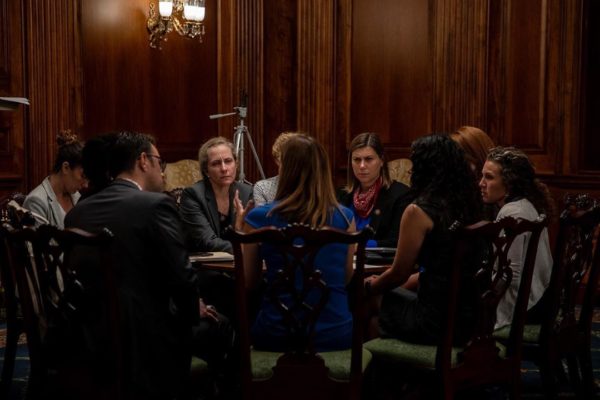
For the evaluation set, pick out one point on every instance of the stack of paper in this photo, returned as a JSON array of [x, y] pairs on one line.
[[215, 256], [11, 103]]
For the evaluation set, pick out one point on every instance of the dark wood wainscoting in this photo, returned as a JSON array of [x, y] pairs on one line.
[[522, 71]]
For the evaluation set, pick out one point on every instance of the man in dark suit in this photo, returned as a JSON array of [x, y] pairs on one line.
[[158, 295]]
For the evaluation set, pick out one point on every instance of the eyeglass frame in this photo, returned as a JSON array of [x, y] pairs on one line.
[[161, 162]]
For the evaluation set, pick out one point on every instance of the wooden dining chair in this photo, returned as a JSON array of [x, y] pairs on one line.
[[447, 368], [301, 373], [54, 301], [14, 319], [400, 170], [182, 174], [564, 333]]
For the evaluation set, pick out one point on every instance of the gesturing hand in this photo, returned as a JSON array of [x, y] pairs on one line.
[[240, 210]]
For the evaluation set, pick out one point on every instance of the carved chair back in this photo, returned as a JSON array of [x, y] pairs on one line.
[[564, 331], [481, 362], [292, 291], [53, 298]]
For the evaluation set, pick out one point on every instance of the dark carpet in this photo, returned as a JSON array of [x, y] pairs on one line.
[[532, 388], [21, 372]]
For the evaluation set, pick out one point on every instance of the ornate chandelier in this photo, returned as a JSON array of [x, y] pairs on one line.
[[183, 16]]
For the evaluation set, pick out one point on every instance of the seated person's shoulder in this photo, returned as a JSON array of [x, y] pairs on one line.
[[398, 189], [518, 209], [343, 195], [196, 189], [257, 217], [261, 210], [421, 207], [36, 194], [142, 198], [346, 211], [413, 209]]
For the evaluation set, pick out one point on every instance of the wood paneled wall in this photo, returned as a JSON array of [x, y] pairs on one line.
[[522, 71], [127, 85], [391, 72], [589, 147], [12, 123], [512, 68], [39, 50], [53, 79]]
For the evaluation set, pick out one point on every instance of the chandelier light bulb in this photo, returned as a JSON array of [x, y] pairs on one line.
[[182, 16], [193, 13], [165, 8]]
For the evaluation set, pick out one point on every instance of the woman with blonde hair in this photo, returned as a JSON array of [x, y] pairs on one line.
[[207, 207], [304, 164], [59, 192]]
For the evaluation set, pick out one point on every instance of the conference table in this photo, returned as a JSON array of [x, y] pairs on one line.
[[223, 262]]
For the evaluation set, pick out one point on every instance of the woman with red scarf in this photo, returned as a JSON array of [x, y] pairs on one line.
[[374, 197]]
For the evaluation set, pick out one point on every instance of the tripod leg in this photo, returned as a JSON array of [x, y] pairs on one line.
[[253, 149], [236, 142], [239, 151]]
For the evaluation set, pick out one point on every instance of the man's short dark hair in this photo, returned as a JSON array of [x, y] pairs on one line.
[[126, 150]]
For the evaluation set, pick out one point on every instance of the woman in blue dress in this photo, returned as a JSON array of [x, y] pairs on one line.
[[305, 194]]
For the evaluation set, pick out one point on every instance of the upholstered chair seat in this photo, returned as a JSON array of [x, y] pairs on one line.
[[338, 363], [395, 351]]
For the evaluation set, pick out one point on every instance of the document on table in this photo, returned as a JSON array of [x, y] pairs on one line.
[[214, 256], [379, 268]]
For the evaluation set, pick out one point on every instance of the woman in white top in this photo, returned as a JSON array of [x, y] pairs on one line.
[[509, 182], [59, 192]]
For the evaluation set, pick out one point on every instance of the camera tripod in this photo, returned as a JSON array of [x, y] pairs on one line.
[[241, 132]]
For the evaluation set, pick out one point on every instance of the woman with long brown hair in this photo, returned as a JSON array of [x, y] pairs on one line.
[[305, 194]]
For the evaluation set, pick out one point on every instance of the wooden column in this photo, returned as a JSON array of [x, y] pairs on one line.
[[459, 29], [343, 74], [244, 73], [52, 54], [316, 53]]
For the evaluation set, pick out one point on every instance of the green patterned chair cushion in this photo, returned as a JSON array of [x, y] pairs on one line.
[[338, 363], [391, 350], [199, 367], [531, 333]]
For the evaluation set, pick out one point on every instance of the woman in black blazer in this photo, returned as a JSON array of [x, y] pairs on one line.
[[207, 206], [374, 197]]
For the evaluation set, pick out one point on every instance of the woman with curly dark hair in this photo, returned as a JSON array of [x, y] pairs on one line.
[[509, 182], [446, 192]]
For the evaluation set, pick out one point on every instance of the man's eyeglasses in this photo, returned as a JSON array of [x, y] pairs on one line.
[[162, 163]]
